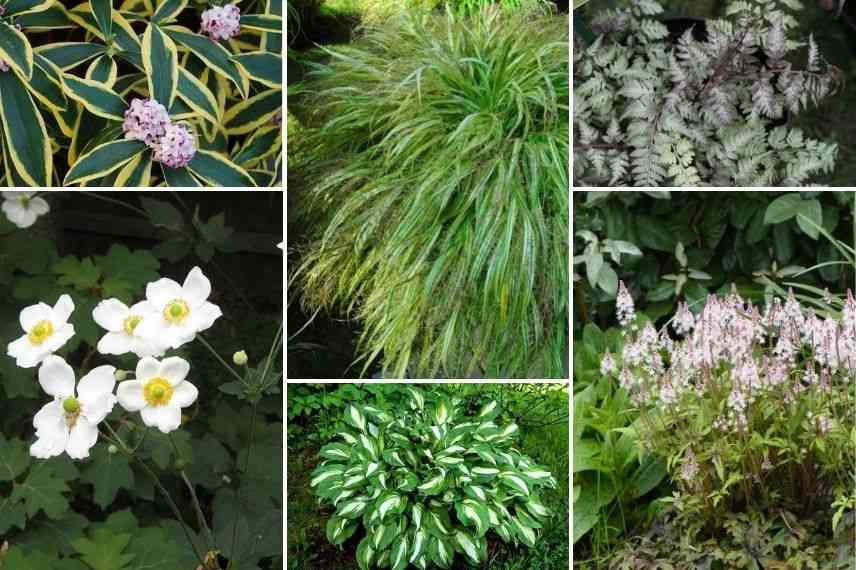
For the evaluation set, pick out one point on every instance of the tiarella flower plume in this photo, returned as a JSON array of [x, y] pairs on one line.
[[146, 120], [607, 365], [159, 392], [176, 147], [46, 330], [624, 308], [23, 208], [121, 323], [222, 22], [181, 311], [69, 423], [690, 468]]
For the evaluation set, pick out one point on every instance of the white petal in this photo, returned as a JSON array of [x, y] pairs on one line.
[[30, 316], [147, 368], [147, 347], [162, 292], [81, 439], [58, 338], [98, 382], [39, 206], [61, 311], [17, 194], [184, 395], [196, 287], [178, 336], [51, 432], [56, 377], [115, 343], [18, 214], [165, 418], [130, 395], [95, 410], [110, 314], [142, 308], [174, 369], [151, 327], [22, 351], [202, 317]]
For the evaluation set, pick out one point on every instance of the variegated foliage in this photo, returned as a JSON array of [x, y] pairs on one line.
[[62, 103], [428, 483]]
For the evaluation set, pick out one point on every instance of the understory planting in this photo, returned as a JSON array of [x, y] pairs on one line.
[[437, 170]]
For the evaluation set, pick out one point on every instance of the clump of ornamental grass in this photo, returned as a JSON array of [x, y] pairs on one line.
[[752, 412], [440, 184]]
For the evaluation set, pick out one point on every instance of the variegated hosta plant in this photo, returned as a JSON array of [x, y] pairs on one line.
[[141, 93], [419, 484]]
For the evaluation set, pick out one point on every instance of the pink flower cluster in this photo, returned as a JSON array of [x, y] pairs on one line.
[[148, 121], [222, 22], [788, 348], [4, 67], [145, 120], [176, 147]]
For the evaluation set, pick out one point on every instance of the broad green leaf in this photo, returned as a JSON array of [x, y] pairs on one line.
[[168, 10], [102, 11], [262, 66], [160, 60], [398, 553], [67, 55], [98, 100], [104, 550], [783, 208], [15, 50], [212, 53], [218, 170], [26, 138], [108, 473], [253, 113], [102, 160]]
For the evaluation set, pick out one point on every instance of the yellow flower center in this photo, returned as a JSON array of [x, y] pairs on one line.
[[158, 391], [176, 311], [131, 323], [41, 332]]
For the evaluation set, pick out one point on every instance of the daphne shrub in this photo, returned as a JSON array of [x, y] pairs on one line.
[[440, 192], [753, 412], [423, 482], [146, 94], [709, 108]]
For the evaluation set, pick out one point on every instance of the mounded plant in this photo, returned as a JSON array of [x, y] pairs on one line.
[[425, 481], [146, 94], [753, 414], [439, 175]]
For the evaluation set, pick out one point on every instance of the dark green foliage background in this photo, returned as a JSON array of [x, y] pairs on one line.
[[104, 513]]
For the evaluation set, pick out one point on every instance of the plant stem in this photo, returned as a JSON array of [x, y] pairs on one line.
[[219, 358], [157, 482], [236, 503], [98, 196], [200, 516]]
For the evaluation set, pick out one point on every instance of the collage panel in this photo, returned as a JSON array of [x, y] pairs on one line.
[[714, 402], [428, 189], [419, 475], [141, 93], [141, 407], [731, 93]]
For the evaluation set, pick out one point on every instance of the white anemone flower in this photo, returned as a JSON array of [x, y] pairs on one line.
[[159, 392], [23, 208], [70, 422], [46, 329], [182, 310], [121, 324]]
